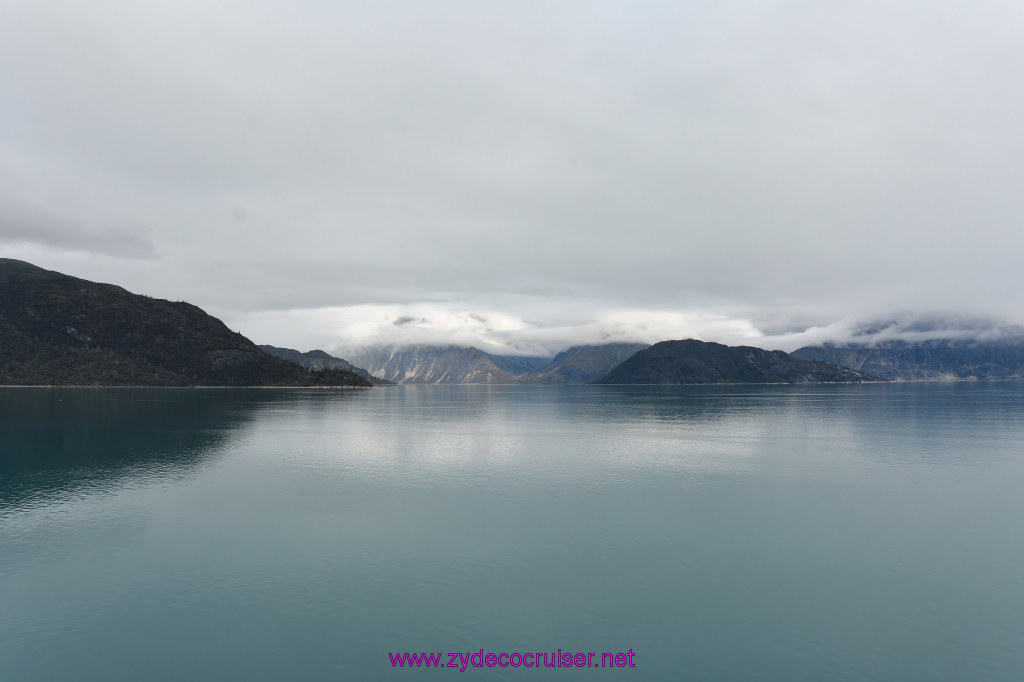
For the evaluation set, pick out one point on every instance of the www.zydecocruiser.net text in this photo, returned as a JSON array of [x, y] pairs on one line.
[[478, 659]]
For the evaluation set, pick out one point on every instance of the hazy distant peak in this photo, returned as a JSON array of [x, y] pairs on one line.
[[468, 364]]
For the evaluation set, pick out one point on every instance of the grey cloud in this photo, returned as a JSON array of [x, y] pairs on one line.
[[20, 222], [403, 321], [909, 326], [787, 163]]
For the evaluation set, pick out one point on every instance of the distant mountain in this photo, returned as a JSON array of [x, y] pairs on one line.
[[431, 365], [698, 362], [932, 359], [469, 365], [519, 364], [318, 361], [60, 330], [583, 364]]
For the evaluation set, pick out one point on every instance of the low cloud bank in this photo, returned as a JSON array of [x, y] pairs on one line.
[[339, 329], [551, 329], [908, 327]]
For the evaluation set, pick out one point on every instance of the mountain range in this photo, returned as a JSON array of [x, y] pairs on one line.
[[58, 330], [928, 347], [62, 330], [698, 362], [932, 359], [318, 361], [583, 364], [426, 364]]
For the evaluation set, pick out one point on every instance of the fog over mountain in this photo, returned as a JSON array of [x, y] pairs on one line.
[[903, 327], [522, 177], [924, 348]]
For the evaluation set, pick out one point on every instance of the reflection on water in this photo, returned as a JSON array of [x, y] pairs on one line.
[[722, 532], [52, 439], [59, 441]]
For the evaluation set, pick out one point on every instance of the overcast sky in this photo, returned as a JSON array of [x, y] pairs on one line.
[[521, 175]]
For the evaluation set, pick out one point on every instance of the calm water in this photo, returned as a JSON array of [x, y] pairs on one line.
[[721, 533]]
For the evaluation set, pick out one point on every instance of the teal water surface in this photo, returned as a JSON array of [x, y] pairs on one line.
[[720, 533]]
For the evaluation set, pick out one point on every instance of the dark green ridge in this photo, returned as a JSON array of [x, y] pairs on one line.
[[700, 362], [319, 360], [61, 330]]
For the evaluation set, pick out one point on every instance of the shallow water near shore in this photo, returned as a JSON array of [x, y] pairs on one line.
[[719, 532]]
